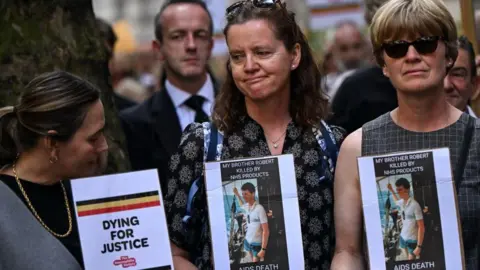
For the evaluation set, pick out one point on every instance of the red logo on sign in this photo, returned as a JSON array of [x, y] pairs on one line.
[[125, 262]]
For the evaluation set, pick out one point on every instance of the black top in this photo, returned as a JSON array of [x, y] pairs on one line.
[[49, 203], [362, 97]]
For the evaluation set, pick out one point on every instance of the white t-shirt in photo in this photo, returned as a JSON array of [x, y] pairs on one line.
[[413, 213], [257, 216]]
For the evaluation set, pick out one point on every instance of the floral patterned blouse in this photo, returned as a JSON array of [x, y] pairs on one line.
[[315, 192]]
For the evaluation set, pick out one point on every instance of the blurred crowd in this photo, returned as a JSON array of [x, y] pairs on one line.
[[136, 71]]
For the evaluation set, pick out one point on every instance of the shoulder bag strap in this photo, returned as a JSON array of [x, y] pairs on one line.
[[462, 161], [210, 144], [330, 145]]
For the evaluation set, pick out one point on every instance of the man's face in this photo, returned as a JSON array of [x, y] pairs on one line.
[[186, 40], [460, 83], [349, 49], [247, 195], [402, 192]]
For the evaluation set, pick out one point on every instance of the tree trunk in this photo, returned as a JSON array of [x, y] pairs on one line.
[[39, 36]]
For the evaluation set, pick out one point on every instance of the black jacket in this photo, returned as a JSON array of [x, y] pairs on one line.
[[153, 131], [362, 97]]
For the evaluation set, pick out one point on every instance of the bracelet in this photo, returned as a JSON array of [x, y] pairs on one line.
[[264, 249]]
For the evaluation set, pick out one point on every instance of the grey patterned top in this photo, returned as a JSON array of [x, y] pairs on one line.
[[382, 136]]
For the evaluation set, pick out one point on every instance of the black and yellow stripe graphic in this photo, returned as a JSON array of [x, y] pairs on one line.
[[118, 203]]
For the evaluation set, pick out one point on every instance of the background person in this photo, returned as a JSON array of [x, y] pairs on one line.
[[461, 81], [365, 94], [349, 53], [183, 41], [53, 134]]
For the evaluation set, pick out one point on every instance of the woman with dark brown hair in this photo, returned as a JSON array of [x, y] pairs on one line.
[[53, 134], [270, 104]]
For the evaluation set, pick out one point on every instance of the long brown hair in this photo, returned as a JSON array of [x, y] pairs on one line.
[[52, 101], [308, 104]]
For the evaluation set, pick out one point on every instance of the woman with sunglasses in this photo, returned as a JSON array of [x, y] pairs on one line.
[[415, 44], [270, 104]]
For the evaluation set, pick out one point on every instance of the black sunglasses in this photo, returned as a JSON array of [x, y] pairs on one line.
[[399, 48], [235, 7]]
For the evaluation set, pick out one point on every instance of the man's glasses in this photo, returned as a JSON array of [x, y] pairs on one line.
[[235, 7], [399, 48]]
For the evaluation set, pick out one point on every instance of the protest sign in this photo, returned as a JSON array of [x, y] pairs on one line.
[[410, 211], [121, 222], [253, 197]]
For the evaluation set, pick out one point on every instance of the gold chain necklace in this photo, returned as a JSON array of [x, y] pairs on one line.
[[35, 212], [275, 142]]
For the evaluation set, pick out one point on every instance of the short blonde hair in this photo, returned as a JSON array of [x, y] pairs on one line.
[[397, 18], [371, 7]]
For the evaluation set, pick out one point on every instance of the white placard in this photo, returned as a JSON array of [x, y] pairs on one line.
[[276, 202], [421, 191], [121, 222]]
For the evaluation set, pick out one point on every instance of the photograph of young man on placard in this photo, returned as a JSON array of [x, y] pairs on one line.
[[257, 231]]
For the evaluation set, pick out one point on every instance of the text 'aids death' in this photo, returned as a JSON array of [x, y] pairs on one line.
[[261, 267], [415, 266]]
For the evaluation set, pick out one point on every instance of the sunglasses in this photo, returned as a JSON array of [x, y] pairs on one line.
[[235, 7], [399, 48]]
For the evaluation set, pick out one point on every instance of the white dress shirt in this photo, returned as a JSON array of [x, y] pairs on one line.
[[471, 112], [186, 115]]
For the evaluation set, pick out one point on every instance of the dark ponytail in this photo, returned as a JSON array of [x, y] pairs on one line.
[[56, 101]]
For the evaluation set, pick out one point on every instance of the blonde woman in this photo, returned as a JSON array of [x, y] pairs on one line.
[[415, 44]]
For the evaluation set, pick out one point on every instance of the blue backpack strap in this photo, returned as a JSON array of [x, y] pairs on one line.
[[211, 145], [214, 141], [332, 148], [327, 143]]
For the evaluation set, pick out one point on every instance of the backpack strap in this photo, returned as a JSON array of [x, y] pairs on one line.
[[212, 151], [327, 143]]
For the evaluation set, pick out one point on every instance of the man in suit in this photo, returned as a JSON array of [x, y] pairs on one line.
[[461, 81], [183, 41]]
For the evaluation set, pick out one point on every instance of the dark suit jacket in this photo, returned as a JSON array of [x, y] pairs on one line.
[[362, 97], [153, 131], [122, 103]]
